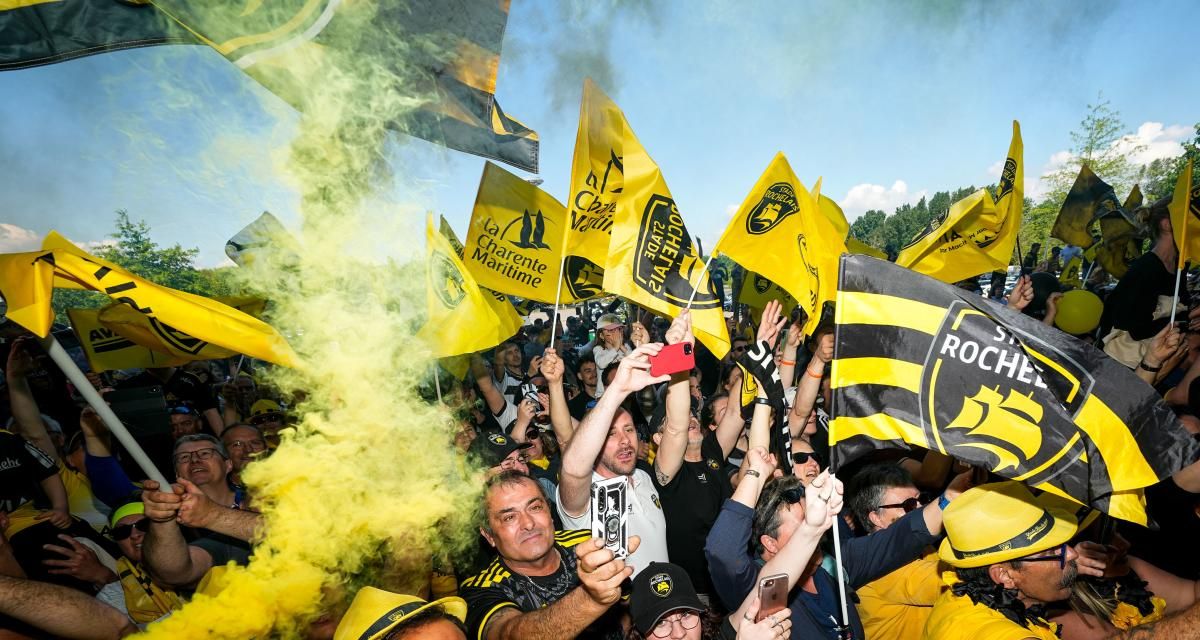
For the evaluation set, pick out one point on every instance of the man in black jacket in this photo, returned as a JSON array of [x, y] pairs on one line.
[[816, 612]]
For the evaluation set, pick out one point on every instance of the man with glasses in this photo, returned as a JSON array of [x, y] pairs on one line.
[[245, 443], [203, 501], [896, 605]]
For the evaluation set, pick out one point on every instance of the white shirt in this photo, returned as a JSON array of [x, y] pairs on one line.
[[645, 519]]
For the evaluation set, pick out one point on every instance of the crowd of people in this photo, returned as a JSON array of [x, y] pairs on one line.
[[717, 536]]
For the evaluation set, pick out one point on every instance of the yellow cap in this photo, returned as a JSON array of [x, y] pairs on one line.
[[374, 612], [127, 509], [264, 406], [1003, 521]]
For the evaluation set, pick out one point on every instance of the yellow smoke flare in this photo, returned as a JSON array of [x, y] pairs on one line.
[[366, 489]]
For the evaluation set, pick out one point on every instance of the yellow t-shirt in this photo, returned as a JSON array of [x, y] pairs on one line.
[[958, 618], [896, 606]]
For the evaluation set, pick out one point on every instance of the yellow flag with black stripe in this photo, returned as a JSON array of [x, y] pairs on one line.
[[652, 259], [460, 318], [1185, 217], [1088, 200], [28, 279], [107, 350], [978, 233], [929, 365], [515, 241], [780, 233]]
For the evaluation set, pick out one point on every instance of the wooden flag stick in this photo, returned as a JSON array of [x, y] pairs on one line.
[[700, 281]]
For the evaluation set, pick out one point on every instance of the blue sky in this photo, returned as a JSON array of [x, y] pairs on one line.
[[885, 100]]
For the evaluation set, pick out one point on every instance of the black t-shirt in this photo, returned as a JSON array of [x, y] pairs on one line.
[[1131, 304], [22, 467], [691, 502], [578, 405], [1173, 546], [497, 588]]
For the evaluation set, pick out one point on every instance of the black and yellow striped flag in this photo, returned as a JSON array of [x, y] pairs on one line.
[[1089, 199], [921, 363], [1120, 244]]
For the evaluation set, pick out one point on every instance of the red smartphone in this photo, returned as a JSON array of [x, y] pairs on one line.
[[772, 595], [673, 358]]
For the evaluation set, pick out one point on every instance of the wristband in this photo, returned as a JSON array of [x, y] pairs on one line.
[[1142, 365], [760, 400], [943, 502], [787, 363], [752, 472], [809, 373]]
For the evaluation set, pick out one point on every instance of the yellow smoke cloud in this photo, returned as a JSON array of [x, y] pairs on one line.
[[366, 488]]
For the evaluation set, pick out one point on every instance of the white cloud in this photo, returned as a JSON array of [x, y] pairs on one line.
[[1156, 141], [731, 209], [14, 239], [995, 169], [863, 197]]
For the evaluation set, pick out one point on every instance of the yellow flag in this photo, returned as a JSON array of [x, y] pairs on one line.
[[977, 234], [107, 350], [757, 291], [832, 212], [146, 331], [1185, 217], [780, 233], [446, 230], [652, 260], [1072, 273], [514, 244], [27, 281], [460, 319], [854, 245]]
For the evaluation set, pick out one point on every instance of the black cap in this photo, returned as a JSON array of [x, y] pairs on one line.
[[659, 589], [491, 448]]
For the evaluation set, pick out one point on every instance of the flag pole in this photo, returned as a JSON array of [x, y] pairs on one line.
[[841, 572], [1175, 296], [562, 268], [89, 393], [696, 287], [437, 382]]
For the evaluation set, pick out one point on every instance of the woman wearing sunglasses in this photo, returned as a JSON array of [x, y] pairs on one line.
[[145, 600]]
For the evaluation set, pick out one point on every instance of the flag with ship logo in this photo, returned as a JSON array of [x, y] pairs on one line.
[[932, 366], [107, 350], [779, 232], [461, 318], [1120, 243], [977, 234], [1089, 199], [515, 241], [653, 260], [597, 180]]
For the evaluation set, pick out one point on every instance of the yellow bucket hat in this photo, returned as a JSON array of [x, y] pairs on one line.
[[374, 612], [1003, 521]]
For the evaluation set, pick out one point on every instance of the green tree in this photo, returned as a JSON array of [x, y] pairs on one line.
[[1094, 144], [867, 225], [133, 249], [1158, 178]]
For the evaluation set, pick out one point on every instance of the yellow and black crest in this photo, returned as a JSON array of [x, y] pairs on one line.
[[778, 202], [446, 281], [665, 257], [662, 585]]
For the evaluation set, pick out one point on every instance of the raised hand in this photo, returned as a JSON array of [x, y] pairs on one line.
[[681, 329], [772, 323], [773, 627], [78, 561], [196, 509], [633, 373], [1021, 294], [161, 506], [534, 364], [20, 360], [822, 501], [552, 367]]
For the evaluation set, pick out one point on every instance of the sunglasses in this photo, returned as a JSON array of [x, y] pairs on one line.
[[740, 348], [803, 457], [1060, 557], [180, 411], [910, 505], [124, 531]]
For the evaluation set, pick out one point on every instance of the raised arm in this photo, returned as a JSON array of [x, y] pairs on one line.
[[487, 388], [791, 348], [674, 435], [61, 612], [167, 555], [810, 385], [560, 413], [198, 511], [575, 477], [26, 417]]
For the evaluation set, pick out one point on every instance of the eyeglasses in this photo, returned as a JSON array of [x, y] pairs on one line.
[[124, 531], [509, 463], [687, 619], [257, 444], [739, 348], [200, 454], [909, 505], [263, 418], [1061, 557]]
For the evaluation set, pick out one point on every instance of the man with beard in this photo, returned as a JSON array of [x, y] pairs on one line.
[[605, 446], [1010, 557], [588, 375]]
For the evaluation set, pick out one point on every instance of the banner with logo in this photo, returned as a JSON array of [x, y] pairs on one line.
[[780, 233], [107, 350], [1120, 243], [265, 238], [1089, 199], [652, 260], [597, 175], [932, 366], [148, 332], [978, 233], [461, 318], [757, 291], [514, 244], [1185, 217], [1072, 273]]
